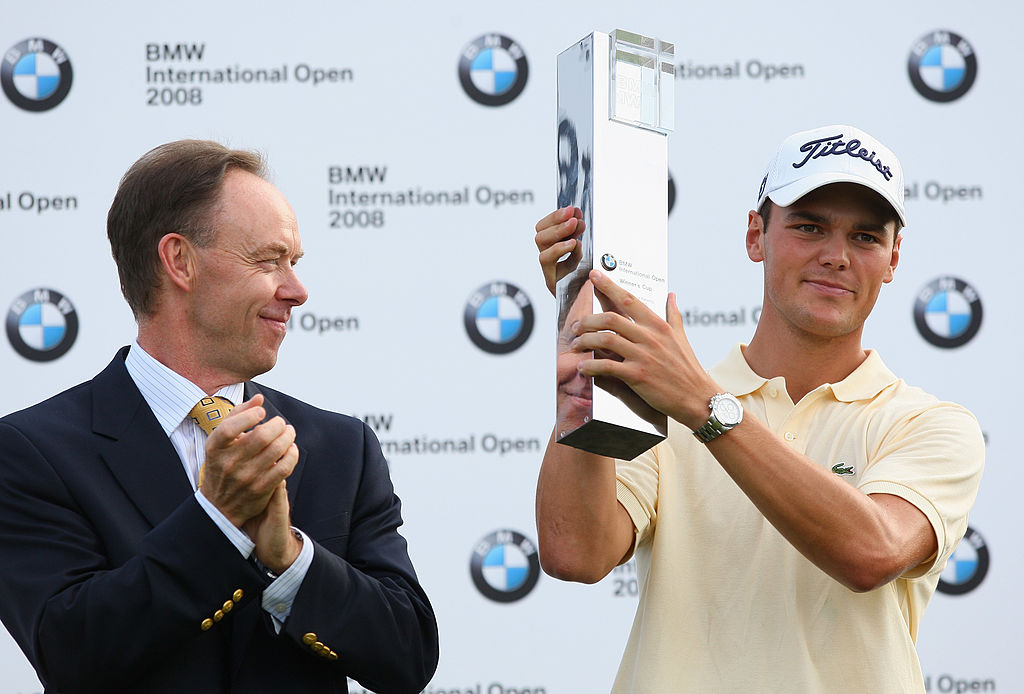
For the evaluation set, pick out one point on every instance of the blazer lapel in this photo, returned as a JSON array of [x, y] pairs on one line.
[[133, 445]]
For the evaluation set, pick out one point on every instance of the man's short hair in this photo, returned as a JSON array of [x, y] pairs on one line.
[[170, 189], [765, 211]]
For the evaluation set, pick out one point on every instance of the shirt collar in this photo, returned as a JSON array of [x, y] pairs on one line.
[[735, 374], [865, 382], [169, 394]]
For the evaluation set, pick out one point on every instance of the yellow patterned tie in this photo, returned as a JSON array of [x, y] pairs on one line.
[[208, 413]]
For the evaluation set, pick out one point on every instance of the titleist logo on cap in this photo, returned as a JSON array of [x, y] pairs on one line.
[[835, 145]]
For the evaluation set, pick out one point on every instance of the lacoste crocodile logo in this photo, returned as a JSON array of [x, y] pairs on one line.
[[843, 469]]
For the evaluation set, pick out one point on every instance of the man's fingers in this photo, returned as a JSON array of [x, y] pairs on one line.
[[612, 321], [246, 472], [569, 227], [550, 220], [280, 469], [557, 238], [550, 255], [281, 447], [558, 217], [240, 419], [606, 354], [609, 368], [286, 463], [672, 314], [264, 443], [560, 232], [267, 442], [602, 343], [615, 298], [253, 402]]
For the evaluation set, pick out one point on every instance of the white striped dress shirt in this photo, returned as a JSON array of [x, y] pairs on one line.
[[171, 396]]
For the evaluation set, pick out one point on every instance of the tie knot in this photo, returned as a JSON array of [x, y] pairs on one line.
[[209, 412]]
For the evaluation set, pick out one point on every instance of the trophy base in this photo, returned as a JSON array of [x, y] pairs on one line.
[[612, 440]]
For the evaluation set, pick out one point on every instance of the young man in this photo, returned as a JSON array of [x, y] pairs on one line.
[[171, 526], [792, 528]]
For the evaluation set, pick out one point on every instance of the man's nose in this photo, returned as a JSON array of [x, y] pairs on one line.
[[293, 290], [834, 252]]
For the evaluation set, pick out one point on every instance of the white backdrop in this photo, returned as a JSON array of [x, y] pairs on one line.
[[383, 337]]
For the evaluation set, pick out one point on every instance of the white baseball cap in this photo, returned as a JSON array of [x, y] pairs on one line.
[[811, 159]]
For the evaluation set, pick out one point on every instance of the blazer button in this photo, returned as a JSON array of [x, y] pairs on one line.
[[309, 639], [332, 656], [207, 624], [218, 615], [319, 647], [228, 606], [237, 595]]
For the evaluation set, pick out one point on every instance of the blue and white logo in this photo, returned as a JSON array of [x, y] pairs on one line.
[[948, 312], [966, 569], [35, 74], [498, 317], [942, 66], [505, 566], [493, 70], [42, 325]]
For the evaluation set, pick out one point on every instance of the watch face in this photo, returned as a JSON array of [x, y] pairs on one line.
[[728, 411]]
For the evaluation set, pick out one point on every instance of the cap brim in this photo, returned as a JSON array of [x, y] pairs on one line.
[[786, 195]]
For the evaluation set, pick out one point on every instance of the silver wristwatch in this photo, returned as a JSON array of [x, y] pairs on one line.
[[726, 412]]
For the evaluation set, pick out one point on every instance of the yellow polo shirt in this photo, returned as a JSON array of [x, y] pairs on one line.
[[728, 605]]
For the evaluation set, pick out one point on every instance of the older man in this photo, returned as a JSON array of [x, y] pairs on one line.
[[171, 526]]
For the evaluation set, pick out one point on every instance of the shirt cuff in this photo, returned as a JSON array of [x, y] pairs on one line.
[[279, 596], [238, 538]]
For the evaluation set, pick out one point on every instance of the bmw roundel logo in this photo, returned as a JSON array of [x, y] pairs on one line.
[[498, 317], [608, 262], [947, 312], [36, 74], [493, 70], [505, 566], [966, 569], [42, 325], [942, 66]]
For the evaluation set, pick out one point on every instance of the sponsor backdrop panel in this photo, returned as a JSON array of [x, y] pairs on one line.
[[416, 143]]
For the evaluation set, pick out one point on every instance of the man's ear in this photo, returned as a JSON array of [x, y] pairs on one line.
[[894, 260], [755, 236], [178, 259]]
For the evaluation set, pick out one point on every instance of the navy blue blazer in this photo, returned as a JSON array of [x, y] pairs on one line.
[[110, 569]]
